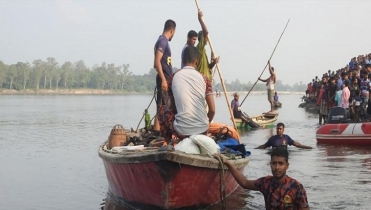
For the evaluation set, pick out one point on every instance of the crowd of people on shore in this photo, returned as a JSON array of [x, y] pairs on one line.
[[348, 87]]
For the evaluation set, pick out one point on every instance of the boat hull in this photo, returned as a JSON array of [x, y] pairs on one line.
[[346, 134], [277, 104], [262, 120], [167, 184]]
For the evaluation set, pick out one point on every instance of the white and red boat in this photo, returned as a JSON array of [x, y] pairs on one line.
[[345, 133], [147, 178]]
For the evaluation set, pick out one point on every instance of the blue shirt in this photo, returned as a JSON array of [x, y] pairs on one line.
[[162, 45], [340, 83], [234, 105], [181, 59], [275, 97], [277, 141]]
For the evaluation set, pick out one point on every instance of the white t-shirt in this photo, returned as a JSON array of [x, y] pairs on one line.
[[189, 90]]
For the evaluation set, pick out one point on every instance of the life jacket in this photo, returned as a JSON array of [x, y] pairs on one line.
[[221, 129]]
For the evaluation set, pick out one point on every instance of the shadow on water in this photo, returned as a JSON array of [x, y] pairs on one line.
[[342, 151], [237, 200]]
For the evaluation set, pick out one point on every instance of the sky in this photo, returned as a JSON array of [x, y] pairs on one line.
[[321, 35]]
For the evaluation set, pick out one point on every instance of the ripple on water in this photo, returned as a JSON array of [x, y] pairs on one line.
[[49, 146]]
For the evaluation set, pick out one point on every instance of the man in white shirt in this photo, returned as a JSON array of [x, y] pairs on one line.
[[270, 81]]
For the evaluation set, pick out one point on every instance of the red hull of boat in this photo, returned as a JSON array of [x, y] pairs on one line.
[[348, 133], [166, 184]]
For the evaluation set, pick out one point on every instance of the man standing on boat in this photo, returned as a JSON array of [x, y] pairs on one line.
[[280, 191], [281, 140], [162, 64], [270, 81], [203, 65], [190, 90], [191, 41]]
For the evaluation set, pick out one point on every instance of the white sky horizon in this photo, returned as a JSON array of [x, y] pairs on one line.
[[321, 35]]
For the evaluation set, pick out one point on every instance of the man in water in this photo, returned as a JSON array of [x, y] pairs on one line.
[[281, 140], [280, 191], [270, 81], [235, 106], [190, 90], [203, 65], [191, 41], [162, 64]]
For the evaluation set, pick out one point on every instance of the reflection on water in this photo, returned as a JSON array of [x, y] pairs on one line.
[[237, 200], [48, 147]]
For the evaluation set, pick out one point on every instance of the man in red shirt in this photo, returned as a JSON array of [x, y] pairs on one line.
[[280, 191]]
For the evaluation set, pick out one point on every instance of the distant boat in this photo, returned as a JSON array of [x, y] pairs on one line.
[[277, 104], [259, 121]]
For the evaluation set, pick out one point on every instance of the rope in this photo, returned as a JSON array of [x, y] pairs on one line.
[[154, 95], [222, 183]]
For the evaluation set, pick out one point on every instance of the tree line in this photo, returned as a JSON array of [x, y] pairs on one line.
[[49, 74]]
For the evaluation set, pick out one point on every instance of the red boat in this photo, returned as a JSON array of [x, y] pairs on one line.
[[166, 179], [345, 133]]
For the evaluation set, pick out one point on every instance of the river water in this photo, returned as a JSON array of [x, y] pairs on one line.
[[49, 159]]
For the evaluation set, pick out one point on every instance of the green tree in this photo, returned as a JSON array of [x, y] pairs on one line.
[[67, 74], [24, 73], [37, 73], [2, 73], [11, 73], [50, 70], [82, 74], [124, 75]]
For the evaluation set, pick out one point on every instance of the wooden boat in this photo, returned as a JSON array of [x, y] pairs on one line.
[[263, 120], [345, 133], [277, 104], [153, 179]]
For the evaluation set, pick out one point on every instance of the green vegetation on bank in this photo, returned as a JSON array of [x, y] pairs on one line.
[[49, 75]]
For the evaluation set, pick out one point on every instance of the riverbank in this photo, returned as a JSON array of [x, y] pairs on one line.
[[110, 92], [67, 92]]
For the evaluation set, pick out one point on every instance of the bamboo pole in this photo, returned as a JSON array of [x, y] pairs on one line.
[[267, 63], [221, 77]]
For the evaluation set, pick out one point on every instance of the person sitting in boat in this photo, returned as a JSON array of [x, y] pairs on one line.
[[281, 140], [280, 191], [275, 98], [190, 90], [235, 106]]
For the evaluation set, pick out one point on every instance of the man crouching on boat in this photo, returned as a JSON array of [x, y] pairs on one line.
[[280, 191], [190, 89]]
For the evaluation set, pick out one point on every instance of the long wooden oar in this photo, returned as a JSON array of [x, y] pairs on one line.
[[220, 76], [267, 63]]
